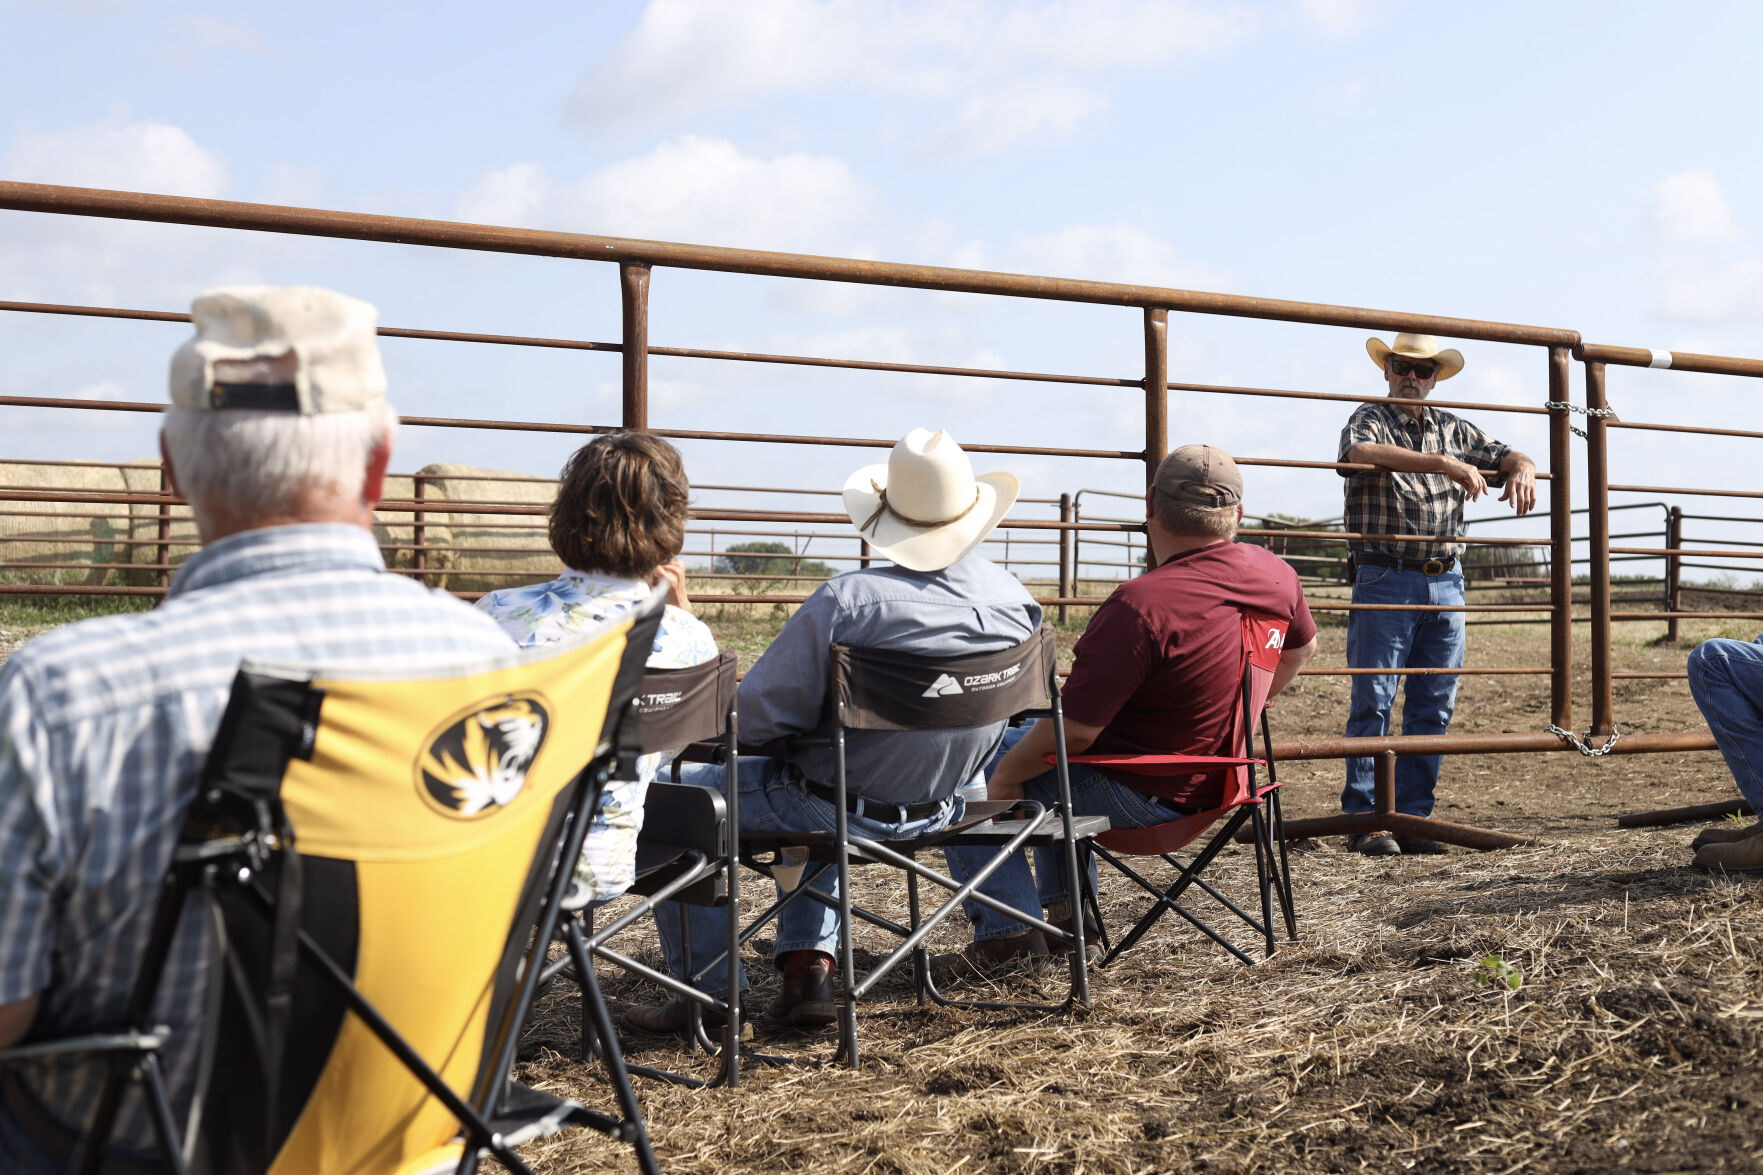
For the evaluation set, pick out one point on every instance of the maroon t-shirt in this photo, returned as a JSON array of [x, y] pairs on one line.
[[1159, 668]]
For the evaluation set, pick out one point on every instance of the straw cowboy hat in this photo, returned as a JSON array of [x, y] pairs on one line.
[[1408, 346], [925, 509]]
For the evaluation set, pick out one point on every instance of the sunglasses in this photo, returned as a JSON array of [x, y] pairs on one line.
[[1421, 370]]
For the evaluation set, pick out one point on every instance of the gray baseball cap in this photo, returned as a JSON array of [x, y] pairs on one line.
[[1200, 475]]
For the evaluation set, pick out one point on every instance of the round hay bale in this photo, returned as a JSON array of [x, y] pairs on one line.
[[493, 543]]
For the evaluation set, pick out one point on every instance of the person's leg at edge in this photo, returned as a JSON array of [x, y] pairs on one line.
[[1429, 700], [1375, 640], [1726, 680]]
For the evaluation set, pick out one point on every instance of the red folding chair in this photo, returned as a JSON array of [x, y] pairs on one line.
[[1243, 798]]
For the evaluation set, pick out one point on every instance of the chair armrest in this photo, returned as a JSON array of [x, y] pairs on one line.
[[708, 752], [97, 1042], [688, 816]]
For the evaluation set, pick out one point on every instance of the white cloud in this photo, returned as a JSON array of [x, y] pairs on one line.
[[1725, 294], [965, 59], [289, 183], [1116, 252], [113, 153], [691, 189], [1338, 18], [1689, 206]]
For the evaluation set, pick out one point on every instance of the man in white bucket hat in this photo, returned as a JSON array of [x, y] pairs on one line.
[[279, 435], [1428, 462], [927, 513]]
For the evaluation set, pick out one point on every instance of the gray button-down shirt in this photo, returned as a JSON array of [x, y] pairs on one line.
[[103, 728], [971, 607]]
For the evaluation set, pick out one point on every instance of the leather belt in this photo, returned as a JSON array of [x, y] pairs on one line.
[[857, 805], [1425, 566]]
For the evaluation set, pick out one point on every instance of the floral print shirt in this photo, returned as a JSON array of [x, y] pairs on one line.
[[543, 613]]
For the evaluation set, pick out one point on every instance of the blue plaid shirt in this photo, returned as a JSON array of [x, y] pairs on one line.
[[104, 725]]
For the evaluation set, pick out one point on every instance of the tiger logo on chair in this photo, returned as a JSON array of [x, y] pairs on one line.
[[476, 763]]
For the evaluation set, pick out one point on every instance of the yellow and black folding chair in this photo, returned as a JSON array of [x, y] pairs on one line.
[[381, 863]]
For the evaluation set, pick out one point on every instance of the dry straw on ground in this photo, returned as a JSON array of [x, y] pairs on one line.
[[1632, 1042]]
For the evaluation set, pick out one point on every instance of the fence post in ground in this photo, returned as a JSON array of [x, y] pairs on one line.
[[419, 556], [1065, 558], [633, 289], [1597, 460], [1673, 569], [1156, 405], [1561, 546], [163, 557]]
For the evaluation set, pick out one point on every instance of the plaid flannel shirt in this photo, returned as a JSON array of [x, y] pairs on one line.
[[103, 728], [1387, 502]]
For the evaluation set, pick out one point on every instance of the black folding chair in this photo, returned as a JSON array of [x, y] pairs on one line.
[[685, 852], [379, 863], [878, 689]]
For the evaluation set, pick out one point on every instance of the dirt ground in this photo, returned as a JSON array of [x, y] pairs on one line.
[[1631, 1043]]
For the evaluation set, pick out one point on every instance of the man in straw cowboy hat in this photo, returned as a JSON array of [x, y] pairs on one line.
[[1427, 462], [1155, 672], [926, 512], [279, 435]]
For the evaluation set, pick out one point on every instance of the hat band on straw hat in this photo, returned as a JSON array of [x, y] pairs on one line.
[[886, 507]]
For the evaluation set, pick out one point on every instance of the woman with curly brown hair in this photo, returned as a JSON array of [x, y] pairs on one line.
[[618, 523]]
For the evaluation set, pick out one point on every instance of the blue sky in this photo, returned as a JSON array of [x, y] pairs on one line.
[[1571, 164]]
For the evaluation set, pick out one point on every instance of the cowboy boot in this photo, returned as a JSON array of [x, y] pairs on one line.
[[1738, 856]]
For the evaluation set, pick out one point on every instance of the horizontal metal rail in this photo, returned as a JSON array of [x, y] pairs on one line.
[[232, 214]]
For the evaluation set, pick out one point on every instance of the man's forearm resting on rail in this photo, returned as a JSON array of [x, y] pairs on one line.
[[1520, 471], [1028, 758]]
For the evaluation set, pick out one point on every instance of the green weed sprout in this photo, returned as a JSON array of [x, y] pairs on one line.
[[1735, 820], [1494, 971]]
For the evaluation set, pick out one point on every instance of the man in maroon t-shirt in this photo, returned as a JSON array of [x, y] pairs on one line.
[[1157, 671]]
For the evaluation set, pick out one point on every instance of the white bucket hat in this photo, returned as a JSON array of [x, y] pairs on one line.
[[1422, 347], [925, 509], [279, 348]]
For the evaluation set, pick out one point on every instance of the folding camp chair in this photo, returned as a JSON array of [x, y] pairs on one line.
[[380, 863], [878, 689], [1243, 798], [685, 852]]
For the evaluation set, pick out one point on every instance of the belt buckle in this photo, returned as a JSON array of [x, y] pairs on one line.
[[1433, 567]]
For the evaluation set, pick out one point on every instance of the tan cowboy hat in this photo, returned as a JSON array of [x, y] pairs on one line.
[[925, 509], [1408, 346]]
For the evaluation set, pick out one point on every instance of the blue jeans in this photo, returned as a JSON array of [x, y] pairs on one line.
[[1726, 679], [772, 802], [1092, 794], [1402, 640]]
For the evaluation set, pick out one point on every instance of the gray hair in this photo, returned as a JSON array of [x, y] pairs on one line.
[[1219, 522], [256, 465]]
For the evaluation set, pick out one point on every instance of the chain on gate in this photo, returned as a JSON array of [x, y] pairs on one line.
[[1579, 743], [1564, 406]]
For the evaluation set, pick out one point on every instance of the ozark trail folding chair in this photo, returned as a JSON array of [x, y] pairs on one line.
[[381, 862], [879, 689], [1243, 798], [686, 851]]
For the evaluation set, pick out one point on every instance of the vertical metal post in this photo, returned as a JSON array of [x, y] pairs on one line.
[[164, 549], [1065, 559], [1673, 569], [633, 290], [863, 554], [1156, 406], [1597, 462], [419, 558], [1561, 546]]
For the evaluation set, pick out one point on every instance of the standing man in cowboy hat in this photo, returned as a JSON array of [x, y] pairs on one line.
[[927, 513], [1428, 462]]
